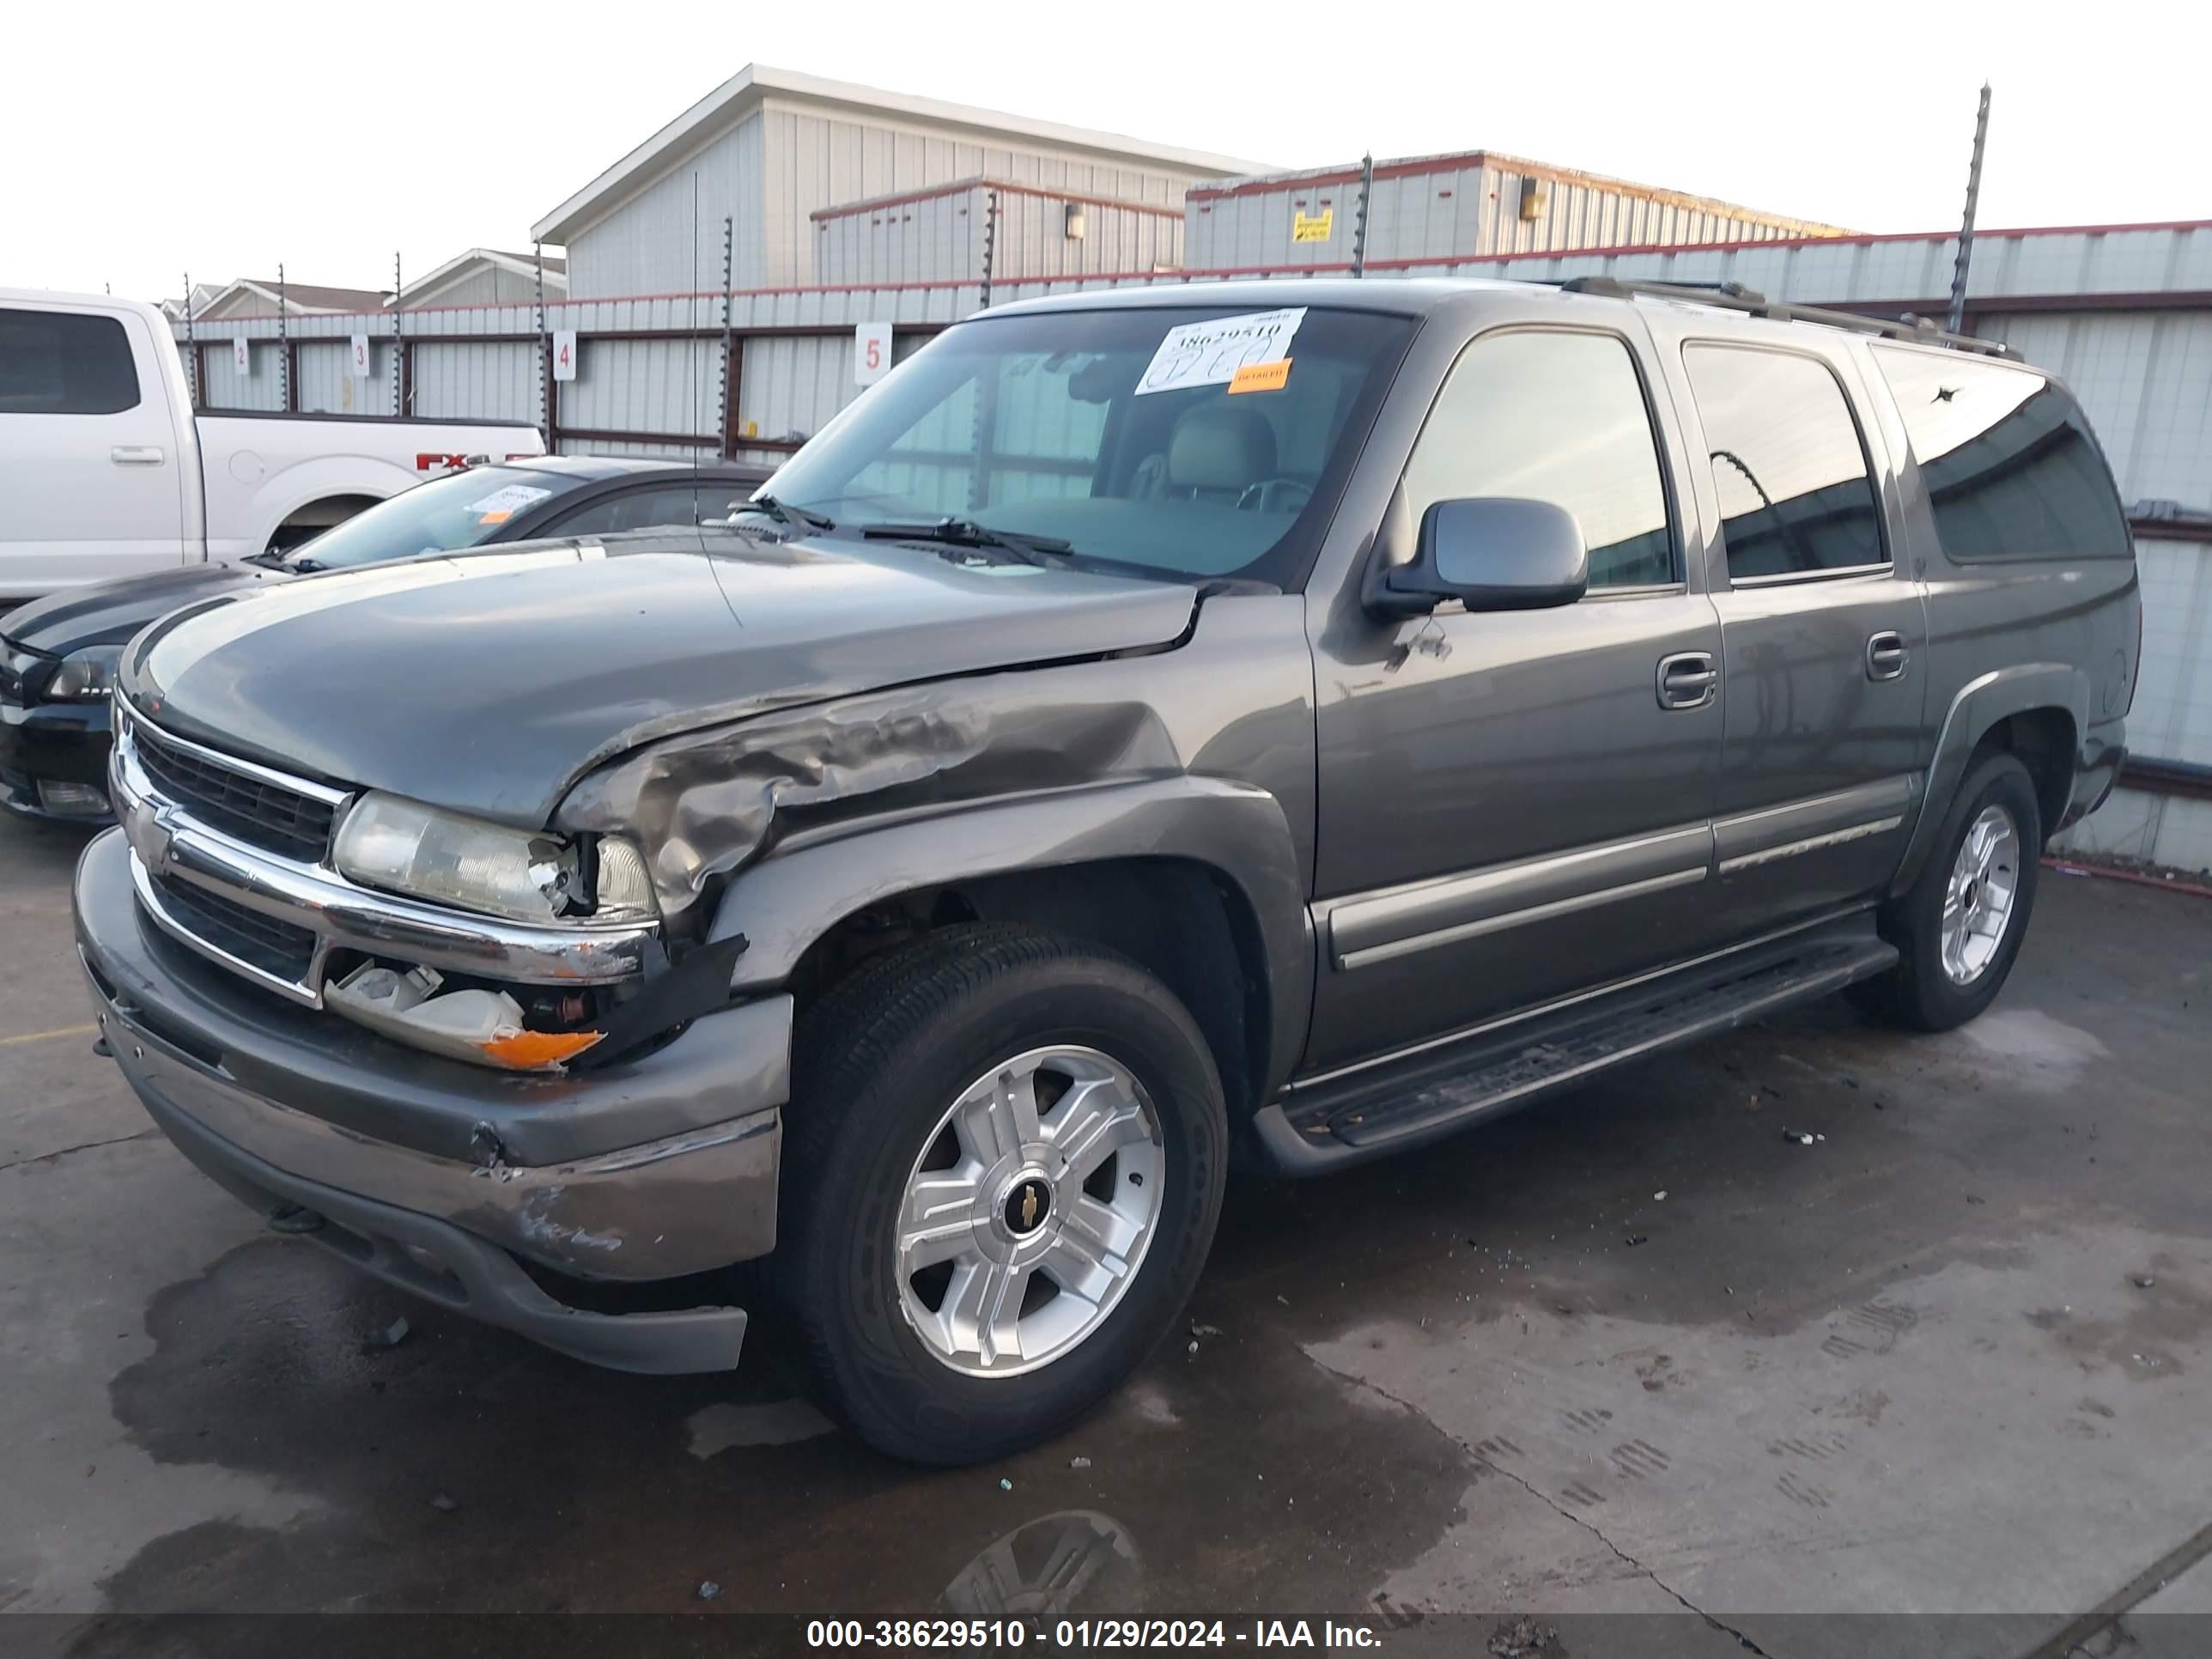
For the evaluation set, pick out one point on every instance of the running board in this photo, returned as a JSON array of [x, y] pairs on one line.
[[1327, 1126]]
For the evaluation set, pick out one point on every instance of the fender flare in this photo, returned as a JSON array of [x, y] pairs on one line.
[[1980, 704], [786, 901]]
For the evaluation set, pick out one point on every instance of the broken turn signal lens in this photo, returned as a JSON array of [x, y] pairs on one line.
[[533, 1051]]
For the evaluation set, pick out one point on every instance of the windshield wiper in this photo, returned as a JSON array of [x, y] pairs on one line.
[[784, 513], [303, 567], [966, 532], [267, 559]]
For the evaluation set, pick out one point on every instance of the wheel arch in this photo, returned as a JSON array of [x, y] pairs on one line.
[[2038, 711], [1198, 880]]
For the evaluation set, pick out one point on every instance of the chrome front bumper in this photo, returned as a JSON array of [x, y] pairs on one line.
[[167, 841], [651, 1169]]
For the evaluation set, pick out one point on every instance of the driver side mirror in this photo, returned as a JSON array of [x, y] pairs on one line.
[[1490, 553]]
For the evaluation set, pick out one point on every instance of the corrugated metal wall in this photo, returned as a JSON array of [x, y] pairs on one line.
[[668, 238], [814, 159], [496, 285], [327, 385], [940, 239], [646, 385], [790, 387], [261, 388], [2146, 379], [476, 381]]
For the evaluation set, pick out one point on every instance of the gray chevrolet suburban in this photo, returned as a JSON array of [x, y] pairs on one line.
[[1280, 722]]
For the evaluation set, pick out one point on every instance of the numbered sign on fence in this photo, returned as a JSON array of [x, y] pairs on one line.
[[564, 354], [871, 353]]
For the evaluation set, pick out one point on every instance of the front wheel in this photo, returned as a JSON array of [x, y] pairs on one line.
[[1959, 930], [1005, 1157]]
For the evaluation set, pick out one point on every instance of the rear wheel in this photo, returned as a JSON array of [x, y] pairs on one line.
[[1959, 930], [1004, 1162]]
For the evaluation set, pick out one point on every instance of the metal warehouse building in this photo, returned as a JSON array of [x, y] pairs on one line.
[[848, 206], [1424, 208], [772, 149]]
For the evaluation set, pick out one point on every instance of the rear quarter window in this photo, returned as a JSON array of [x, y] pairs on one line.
[[64, 362], [2011, 469]]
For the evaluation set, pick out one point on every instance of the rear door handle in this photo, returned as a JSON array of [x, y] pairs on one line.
[[1688, 679], [1886, 656], [135, 455]]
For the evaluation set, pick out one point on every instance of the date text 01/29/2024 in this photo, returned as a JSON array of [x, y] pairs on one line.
[[1123, 1633]]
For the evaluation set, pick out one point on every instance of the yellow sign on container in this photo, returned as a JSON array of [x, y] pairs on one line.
[[1314, 227]]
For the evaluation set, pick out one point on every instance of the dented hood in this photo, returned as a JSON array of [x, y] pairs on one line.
[[486, 682]]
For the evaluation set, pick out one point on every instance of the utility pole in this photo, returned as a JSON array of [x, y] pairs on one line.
[[1957, 320]]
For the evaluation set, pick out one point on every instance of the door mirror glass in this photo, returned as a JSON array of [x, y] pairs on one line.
[[1492, 553]]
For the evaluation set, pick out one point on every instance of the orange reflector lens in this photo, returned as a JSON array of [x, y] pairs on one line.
[[533, 1051]]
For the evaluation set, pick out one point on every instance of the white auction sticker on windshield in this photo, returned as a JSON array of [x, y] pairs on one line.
[[507, 498], [1210, 353]]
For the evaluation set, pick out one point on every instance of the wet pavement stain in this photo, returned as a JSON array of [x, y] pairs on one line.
[[577, 1490]]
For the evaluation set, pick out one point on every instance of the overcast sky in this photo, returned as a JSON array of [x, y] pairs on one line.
[[134, 145]]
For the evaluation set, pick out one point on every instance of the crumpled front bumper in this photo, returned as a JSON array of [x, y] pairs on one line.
[[444, 1178]]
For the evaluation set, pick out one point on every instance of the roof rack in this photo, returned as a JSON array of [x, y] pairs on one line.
[[1734, 296]]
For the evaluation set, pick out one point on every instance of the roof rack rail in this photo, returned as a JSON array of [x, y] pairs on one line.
[[1734, 296]]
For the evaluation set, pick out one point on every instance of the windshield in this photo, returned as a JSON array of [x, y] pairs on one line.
[[462, 509], [1200, 442]]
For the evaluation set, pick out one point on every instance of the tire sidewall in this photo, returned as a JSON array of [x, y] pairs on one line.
[[849, 1277], [1934, 1000]]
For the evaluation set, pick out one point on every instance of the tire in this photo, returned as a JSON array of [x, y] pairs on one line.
[[1924, 992], [881, 1067]]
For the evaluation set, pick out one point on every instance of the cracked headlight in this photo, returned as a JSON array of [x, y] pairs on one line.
[[404, 847], [85, 676]]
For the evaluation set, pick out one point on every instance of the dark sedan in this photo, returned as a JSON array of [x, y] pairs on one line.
[[57, 656]]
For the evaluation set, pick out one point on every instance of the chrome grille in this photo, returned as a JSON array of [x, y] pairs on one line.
[[277, 948], [255, 810]]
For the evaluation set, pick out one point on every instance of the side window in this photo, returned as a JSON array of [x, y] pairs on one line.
[[1795, 497], [1553, 418], [59, 363], [637, 509], [2007, 456]]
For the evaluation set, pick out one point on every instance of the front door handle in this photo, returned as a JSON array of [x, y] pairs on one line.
[[1886, 656], [135, 455], [1688, 679]]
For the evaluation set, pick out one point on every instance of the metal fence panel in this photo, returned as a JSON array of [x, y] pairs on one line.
[[645, 385], [790, 386], [327, 384], [261, 388], [483, 380]]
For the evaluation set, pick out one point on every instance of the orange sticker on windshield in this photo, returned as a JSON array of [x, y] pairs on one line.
[[1260, 377], [498, 515]]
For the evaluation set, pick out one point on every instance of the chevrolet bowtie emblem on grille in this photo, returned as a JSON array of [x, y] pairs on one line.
[[1028, 1206], [149, 834]]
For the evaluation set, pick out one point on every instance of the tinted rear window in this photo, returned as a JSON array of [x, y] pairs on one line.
[[60, 362], [2009, 461], [1788, 462]]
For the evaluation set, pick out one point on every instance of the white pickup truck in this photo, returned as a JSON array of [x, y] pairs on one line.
[[106, 470]]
